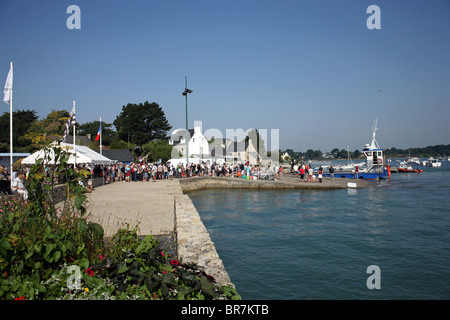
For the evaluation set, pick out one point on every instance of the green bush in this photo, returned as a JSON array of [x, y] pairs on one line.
[[50, 251]]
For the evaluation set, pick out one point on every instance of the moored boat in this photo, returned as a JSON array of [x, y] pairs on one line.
[[431, 162], [373, 168], [405, 167], [413, 160]]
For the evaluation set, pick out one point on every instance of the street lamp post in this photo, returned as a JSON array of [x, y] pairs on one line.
[[185, 93]]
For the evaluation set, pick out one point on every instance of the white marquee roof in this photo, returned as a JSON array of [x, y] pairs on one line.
[[83, 155]]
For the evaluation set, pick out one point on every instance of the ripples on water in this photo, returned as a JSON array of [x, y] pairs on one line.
[[309, 244]]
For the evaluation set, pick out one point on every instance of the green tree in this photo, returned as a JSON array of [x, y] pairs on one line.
[[41, 132], [108, 134], [343, 154], [120, 144], [318, 154], [157, 149], [22, 119], [356, 154], [146, 122], [309, 154], [335, 152]]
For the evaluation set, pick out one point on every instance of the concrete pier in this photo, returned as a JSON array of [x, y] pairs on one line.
[[288, 181], [162, 210]]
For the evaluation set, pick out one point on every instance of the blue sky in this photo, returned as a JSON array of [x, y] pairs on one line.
[[311, 69]]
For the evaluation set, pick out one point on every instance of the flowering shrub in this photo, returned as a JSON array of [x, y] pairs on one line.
[[42, 247]]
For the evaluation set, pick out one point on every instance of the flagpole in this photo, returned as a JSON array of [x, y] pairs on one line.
[[11, 131], [74, 145], [100, 135]]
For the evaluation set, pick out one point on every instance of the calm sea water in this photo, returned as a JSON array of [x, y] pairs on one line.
[[306, 244]]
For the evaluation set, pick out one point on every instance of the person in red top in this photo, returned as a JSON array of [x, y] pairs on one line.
[[302, 174]]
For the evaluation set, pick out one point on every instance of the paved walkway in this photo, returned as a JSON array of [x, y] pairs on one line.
[[151, 204]]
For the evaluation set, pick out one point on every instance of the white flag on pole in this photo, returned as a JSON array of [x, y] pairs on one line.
[[7, 93], [70, 122]]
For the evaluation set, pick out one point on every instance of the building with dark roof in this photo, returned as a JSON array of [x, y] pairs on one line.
[[120, 155]]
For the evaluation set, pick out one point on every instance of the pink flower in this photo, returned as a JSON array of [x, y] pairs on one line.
[[101, 257], [90, 272], [162, 253], [164, 272], [174, 262]]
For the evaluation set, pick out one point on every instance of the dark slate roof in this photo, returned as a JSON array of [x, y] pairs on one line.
[[121, 155], [182, 133]]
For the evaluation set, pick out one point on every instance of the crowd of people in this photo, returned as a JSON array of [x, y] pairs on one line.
[[161, 171], [153, 172], [306, 173]]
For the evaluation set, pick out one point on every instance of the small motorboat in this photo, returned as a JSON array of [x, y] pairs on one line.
[[405, 167], [431, 162]]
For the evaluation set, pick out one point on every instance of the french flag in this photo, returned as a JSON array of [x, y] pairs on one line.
[[99, 132]]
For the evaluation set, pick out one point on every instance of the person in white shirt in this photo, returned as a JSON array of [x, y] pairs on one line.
[[18, 187]]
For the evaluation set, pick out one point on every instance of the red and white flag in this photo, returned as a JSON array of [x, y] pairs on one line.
[[99, 132]]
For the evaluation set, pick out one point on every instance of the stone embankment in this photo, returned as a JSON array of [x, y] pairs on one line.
[[288, 182], [194, 245]]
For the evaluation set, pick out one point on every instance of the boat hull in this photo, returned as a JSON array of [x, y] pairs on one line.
[[360, 175]]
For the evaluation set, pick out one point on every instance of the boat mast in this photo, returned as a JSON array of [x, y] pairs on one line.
[[374, 144]]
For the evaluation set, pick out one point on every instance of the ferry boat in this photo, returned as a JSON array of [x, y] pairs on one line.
[[374, 167]]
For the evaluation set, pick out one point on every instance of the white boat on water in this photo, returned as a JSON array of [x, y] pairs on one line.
[[431, 162], [413, 160]]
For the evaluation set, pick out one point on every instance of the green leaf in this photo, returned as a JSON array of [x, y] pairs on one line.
[[206, 287], [37, 248], [80, 248], [164, 290], [48, 248], [79, 200], [82, 226], [29, 254], [96, 230], [167, 279], [123, 269], [180, 296], [41, 288], [4, 244], [56, 256], [84, 264]]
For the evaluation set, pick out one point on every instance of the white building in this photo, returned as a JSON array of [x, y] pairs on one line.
[[197, 144]]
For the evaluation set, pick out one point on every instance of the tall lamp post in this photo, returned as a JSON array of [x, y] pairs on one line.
[[185, 93]]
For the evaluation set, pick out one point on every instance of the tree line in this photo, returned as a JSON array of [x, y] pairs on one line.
[[142, 128], [311, 154], [430, 151]]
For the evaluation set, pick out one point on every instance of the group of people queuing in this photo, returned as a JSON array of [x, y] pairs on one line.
[[306, 172], [161, 171]]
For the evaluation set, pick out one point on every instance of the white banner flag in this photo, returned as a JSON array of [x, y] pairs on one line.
[[70, 122], [7, 93]]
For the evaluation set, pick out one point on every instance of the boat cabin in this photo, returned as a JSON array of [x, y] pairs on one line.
[[374, 156]]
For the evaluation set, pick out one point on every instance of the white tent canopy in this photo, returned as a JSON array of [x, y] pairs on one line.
[[84, 155]]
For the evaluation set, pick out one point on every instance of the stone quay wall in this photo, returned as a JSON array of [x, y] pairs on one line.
[[194, 245]]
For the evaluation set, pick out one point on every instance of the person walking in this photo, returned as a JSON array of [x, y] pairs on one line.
[[331, 170], [310, 174]]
